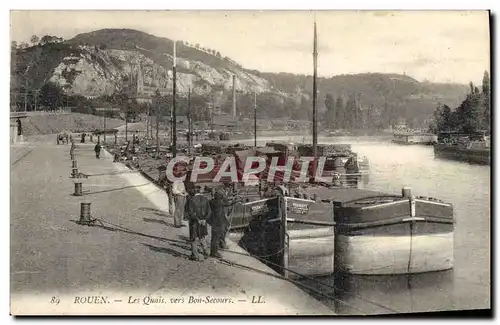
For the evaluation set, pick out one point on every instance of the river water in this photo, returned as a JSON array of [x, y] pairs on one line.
[[467, 187]]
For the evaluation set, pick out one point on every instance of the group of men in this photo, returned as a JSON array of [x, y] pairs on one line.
[[200, 208], [64, 138]]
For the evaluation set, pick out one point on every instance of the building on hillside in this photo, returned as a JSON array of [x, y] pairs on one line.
[[142, 93]]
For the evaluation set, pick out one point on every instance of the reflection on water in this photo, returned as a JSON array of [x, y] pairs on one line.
[[467, 187]]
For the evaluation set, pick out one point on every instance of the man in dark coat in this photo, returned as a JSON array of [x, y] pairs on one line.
[[198, 212], [219, 222], [229, 199], [19, 127], [97, 150]]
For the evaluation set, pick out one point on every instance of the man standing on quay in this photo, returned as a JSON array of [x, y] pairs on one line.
[[178, 191], [179, 194], [198, 212], [219, 221]]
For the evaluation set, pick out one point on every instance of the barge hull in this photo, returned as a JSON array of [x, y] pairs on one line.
[[475, 156], [384, 255]]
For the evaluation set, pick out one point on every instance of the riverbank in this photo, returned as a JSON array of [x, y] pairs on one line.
[[135, 262]]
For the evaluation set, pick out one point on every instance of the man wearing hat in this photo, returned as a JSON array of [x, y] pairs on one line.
[[198, 213], [178, 190]]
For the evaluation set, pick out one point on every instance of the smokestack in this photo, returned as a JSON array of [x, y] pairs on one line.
[[234, 96]]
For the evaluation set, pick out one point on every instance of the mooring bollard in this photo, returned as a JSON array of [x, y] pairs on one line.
[[73, 164], [78, 189], [406, 192], [85, 214]]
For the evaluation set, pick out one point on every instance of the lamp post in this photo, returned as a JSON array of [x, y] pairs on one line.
[[105, 110], [174, 113], [157, 131]]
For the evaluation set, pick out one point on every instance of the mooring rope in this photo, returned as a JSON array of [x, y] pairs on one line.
[[281, 277], [318, 282]]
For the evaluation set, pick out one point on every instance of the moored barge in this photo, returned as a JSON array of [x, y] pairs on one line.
[[354, 231]]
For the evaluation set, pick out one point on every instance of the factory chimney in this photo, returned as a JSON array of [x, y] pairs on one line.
[[234, 97]]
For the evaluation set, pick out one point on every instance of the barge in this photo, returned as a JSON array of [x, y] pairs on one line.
[[415, 138], [353, 231], [472, 154]]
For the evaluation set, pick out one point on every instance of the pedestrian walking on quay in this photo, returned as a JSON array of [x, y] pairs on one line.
[[97, 150], [198, 213]]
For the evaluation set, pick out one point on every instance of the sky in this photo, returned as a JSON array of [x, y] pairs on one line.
[[439, 46]]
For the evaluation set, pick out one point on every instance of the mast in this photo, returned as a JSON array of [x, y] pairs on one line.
[[315, 94], [255, 120], [212, 117], [126, 123], [174, 116], [148, 121], [158, 130], [190, 131], [104, 141]]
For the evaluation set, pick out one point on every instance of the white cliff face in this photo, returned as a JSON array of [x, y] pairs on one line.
[[98, 72]]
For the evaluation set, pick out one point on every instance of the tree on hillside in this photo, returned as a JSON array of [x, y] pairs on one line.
[[339, 122], [23, 45], [50, 39], [469, 112], [350, 112], [160, 105], [13, 45], [197, 46], [199, 106], [245, 105], [486, 88], [51, 96], [471, 115], [443, 116], [80, 104], [330, 115], [34, 40], [218, 54]]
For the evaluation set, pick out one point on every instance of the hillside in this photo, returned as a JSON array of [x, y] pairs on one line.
[[106, 61]]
